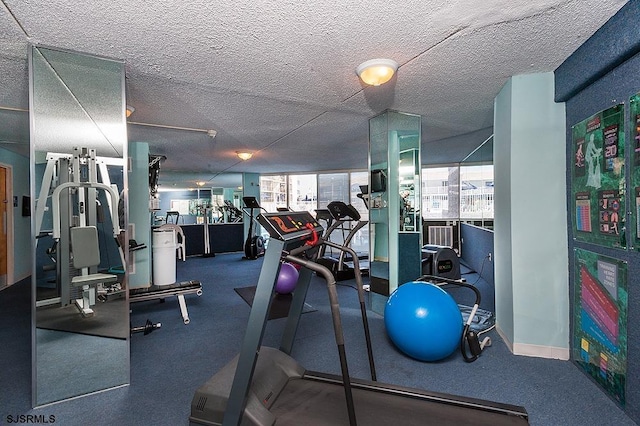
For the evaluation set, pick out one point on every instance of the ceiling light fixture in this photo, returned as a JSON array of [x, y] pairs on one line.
[[377, 71], [130, 110], [244, 155]]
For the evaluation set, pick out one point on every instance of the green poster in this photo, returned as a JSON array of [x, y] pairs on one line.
[[634, 125], [597, 183], [600, 320]]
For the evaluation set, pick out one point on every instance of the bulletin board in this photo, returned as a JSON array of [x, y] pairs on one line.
[[634, 125], [598, 184], [600, 320]]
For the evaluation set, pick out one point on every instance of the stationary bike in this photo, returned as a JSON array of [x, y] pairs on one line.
[[254, 244]]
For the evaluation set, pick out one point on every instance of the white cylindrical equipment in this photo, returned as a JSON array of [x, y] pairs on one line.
[[164, 257]]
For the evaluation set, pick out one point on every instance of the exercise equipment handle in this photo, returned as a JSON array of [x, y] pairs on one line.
[[55, 204], [363, 309], [337, 327]]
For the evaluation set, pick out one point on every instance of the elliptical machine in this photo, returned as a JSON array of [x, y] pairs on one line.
[[254, 244]]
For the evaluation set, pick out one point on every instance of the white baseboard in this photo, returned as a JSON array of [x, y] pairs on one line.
[[539, 351], [506, 340]]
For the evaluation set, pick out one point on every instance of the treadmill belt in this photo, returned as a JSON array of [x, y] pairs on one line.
[[321, 403]]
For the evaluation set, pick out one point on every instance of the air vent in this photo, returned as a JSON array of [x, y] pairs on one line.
[[441, 236], [201, 403]]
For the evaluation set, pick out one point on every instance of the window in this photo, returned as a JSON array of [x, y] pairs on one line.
[[476, 192], [332, 187], [273, 192], [303, 192], [440, 193], [360, 241], [464, 192], [309, 192]]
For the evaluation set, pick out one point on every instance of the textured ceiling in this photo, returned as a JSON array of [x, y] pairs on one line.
[[277, 78]]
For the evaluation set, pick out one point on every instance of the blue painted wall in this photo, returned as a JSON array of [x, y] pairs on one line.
[[603, 72], [476, 244]]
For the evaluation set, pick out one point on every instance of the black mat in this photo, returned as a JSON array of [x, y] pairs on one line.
[[109, 319], [279, 306]]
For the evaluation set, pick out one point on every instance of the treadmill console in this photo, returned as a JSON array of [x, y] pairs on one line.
[[251, 202], [292, 226], [340, 210]]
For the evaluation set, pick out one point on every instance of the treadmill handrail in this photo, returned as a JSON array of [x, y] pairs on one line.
[[337, 328], [361, 300], [55, 204]]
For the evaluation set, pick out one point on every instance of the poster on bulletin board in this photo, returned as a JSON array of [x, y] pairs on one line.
[[600, 320], [634, 125], [598, 184]]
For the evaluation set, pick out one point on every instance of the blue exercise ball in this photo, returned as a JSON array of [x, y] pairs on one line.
[[287, 278], [423, 321]]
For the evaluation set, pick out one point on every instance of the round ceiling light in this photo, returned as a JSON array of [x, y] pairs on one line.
[[244, 155], [377, 71]]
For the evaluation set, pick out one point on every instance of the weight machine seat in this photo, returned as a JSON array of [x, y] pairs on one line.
[[86, 253], [91, 279]]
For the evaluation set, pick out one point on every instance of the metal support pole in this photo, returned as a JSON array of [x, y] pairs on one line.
[[253, 335], [295, 310]]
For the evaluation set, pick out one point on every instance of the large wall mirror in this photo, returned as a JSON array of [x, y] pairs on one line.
[[78, 191]]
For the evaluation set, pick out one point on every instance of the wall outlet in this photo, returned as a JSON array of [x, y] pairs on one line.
[[489, 256]]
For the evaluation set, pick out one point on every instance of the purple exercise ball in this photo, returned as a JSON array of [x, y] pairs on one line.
[[287, 278]]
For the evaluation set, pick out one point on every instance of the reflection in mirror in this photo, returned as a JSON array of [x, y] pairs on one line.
[[409, 186], [78, 140], [196, 198], [476, 186], [226, 205], [14, 131]]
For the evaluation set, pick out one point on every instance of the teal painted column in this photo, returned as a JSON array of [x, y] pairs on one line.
[[530, 230], [227, 194], [394, 203], [139, 215]]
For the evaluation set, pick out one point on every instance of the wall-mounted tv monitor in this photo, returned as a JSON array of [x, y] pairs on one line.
[[26, 205], [378, 181]]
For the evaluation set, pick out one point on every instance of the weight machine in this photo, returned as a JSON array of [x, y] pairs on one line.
[[75, 211]]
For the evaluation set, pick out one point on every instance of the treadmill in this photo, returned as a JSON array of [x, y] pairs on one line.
[[265, 386], [341, 266]]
